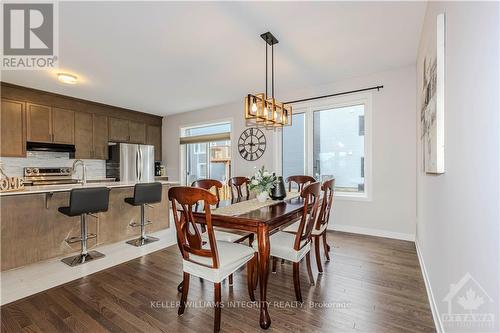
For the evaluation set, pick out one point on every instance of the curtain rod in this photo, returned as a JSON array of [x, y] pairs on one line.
[[336, 94]]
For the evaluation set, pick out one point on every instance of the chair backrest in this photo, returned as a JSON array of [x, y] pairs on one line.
[[300, 180], [310, 194], [207, 184], [183, 198], [88, 200], [147, 193], [326, 204], [236, 184]]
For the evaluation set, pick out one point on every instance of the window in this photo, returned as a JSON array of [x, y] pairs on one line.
[[207, 153], [330, 139]]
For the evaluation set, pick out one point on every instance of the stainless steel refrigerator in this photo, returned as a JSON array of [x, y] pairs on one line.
[[131, 162]]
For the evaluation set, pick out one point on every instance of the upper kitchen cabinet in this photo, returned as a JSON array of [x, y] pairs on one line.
[[63, 126], [12, 128], [39, 123], [52, 125], [100, 137], [83, 135], [137, 132], [154, 138], [118, 130]]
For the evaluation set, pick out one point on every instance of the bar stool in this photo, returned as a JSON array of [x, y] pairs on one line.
[[83, 202], [144, 195]]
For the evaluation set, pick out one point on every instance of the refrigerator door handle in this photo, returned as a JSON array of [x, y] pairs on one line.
[[140, 163], [137, 165]]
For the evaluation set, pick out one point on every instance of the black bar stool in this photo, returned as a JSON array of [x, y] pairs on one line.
[[144, 195], [83, 202]]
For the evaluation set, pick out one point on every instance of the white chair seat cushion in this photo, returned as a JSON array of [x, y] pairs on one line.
[[295, 227], [282, 247], [231, 257], [222, 236]]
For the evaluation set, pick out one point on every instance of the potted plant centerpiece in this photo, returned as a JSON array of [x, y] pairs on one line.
[[262, 183]]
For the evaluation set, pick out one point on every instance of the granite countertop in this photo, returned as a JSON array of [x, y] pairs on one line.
[[69, 187]]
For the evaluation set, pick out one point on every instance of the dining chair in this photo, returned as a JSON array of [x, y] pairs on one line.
[[236, 185], [213, 260], [300, 180], [294, 247], [319, 230], [220, 234]]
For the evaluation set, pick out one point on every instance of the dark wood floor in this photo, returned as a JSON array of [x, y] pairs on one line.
[[371, 285]]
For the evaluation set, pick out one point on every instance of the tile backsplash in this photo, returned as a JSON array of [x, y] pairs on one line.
[[13, 166]]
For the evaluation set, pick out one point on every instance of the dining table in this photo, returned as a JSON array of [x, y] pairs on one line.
[[247, 215]]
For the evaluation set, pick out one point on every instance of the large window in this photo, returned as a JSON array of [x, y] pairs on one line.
[[329, 139], [206, 154]]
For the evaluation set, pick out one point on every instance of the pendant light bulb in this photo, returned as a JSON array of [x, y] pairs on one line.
[[254, 107], [265, 112]]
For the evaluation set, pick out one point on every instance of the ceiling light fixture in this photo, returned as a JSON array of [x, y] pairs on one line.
[[67, 78], [261, 109]]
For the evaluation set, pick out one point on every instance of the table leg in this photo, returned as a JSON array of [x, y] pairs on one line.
[[264, 251]]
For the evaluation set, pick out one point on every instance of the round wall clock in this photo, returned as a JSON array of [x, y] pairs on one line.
[[252, 144]]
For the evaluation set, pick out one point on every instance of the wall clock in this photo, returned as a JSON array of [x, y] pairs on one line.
[[252, 144]]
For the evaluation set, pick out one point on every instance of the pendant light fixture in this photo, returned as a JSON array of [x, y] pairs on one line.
[[262, 109]]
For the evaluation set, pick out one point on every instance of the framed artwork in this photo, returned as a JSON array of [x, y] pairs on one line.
[[432, 106]]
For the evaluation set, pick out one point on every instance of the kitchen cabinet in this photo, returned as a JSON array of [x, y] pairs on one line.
[[52, 125], [137, 132], [13, 128], [153, 137], [83, 135], [91, 136], [39, 123], [100, 137], [63, 126], [118, 130]]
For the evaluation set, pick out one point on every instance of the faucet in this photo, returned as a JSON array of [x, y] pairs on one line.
[[84, 171]]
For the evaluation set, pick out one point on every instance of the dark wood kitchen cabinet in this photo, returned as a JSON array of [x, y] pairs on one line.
[[100, 137], [118, 130], [137, 132], [39, 123], [153, 137], [52, 125], [83, 135], [91, 136], [63, 126], [12, 128]]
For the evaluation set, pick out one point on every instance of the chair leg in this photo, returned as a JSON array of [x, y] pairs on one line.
[[217, 300], [250, 277], [251, 239], [309, 270], [296, 281], [256, 272], [326, 247], [274, 265], [185, 290], [179, 287], [231, 279], [318, 255]]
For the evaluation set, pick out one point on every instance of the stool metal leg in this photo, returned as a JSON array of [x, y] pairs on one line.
[[143, 240], [85, 255]]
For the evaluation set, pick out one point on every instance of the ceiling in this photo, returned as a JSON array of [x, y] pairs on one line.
[[165, 58]]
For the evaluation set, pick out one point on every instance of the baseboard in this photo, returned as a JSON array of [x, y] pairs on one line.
[[372, 232], [432, 301]]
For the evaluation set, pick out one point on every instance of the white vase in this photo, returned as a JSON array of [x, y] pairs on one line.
[[262, 196]]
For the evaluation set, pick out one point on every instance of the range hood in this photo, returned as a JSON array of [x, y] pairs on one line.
[[51, 147]]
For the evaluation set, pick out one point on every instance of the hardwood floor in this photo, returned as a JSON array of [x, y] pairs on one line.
[[371, 284]]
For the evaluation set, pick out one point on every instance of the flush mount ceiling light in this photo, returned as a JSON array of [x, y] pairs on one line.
[[261, 109], [67, 78]]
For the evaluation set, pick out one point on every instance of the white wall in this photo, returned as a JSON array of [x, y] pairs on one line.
[[458, 212], [392, 211]]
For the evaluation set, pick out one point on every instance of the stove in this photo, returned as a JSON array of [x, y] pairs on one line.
[[48, 176]]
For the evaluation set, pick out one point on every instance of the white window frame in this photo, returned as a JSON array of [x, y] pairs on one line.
[[182, 149], [330, 103]]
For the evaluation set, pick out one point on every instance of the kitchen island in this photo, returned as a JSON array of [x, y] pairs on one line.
[[33, 230]]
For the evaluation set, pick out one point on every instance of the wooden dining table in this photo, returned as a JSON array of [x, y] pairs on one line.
[[263, 222]]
